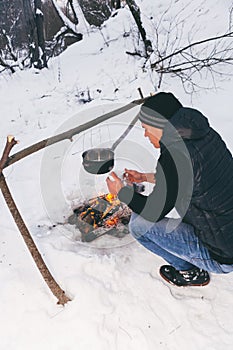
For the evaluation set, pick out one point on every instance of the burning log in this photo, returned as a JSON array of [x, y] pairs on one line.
[[101, 215]]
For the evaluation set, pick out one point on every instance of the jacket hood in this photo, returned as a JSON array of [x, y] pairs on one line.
[[186, 124]]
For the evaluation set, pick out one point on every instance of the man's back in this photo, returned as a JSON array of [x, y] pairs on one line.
[[211, 207]]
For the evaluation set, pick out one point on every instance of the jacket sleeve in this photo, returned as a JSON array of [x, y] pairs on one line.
[[163, 197]]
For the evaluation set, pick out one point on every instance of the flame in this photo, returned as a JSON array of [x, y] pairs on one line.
[[110, 197]]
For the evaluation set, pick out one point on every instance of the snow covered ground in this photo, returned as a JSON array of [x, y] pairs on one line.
[[119, 302]]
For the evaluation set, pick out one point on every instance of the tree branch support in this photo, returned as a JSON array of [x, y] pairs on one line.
[[52, 284]]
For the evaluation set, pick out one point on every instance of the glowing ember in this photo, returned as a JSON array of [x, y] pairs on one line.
[[112, 222]]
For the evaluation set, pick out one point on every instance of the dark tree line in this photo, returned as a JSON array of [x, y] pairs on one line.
[[31, 31], [22, 33]]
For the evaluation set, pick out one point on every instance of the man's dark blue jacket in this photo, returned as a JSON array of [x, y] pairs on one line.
[[194, 174]]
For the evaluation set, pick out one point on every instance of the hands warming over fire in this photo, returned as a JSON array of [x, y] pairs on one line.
[[114, 185], [130, 177], [135, 176]]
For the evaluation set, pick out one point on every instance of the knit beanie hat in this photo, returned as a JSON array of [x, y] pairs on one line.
[[158, 109]]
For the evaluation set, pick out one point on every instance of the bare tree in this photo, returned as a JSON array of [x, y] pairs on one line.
[[135, 10], [194, 59], [12, 33], [79, 23], [40, 60], [74, 25], [29, 20], [188, 63], [98, 11], [11, 54], [22, 31]]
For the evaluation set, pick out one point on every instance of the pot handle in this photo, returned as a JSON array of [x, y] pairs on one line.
[[125, 133]]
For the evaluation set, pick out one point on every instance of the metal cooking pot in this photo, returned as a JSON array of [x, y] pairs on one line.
[[101, 160], [98, 160]]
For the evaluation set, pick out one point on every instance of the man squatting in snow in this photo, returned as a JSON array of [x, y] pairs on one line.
[[194, 175]]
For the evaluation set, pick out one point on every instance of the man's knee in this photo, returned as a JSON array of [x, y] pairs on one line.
[[134, 228], [139, 226]]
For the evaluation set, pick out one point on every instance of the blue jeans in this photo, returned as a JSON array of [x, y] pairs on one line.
[[175, 242]]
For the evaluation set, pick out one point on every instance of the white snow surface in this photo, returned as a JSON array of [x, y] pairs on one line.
[[119, 302]]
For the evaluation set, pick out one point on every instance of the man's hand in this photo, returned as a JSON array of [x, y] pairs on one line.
[[135, 176], [114, 185]]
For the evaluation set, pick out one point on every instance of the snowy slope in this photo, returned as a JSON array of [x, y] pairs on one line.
[[119, 300]]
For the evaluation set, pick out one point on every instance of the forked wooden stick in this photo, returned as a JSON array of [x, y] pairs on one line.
[[52, 284], [9, 145]]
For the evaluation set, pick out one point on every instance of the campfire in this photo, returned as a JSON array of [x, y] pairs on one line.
[[104, 214]]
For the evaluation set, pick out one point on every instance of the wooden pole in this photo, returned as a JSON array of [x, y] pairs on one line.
[[70, 133], [52, 284]]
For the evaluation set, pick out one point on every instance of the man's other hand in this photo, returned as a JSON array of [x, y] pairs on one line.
[[114, 185]]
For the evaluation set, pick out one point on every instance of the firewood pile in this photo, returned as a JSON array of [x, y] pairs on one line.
[[101, 215]]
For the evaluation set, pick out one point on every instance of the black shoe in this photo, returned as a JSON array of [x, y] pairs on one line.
[[193, 277]]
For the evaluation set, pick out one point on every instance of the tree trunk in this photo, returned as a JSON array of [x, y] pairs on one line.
[[83, 25], [116, 4], [40, 42], [75, 28], [29, 18], [30, 28], [135, 10]]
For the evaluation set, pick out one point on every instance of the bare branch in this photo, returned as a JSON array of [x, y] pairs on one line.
[[215, 38], [135, 10], [230, 17], [52, 284], [9, 145], [70, 3], [67, 135], [6, 65]]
